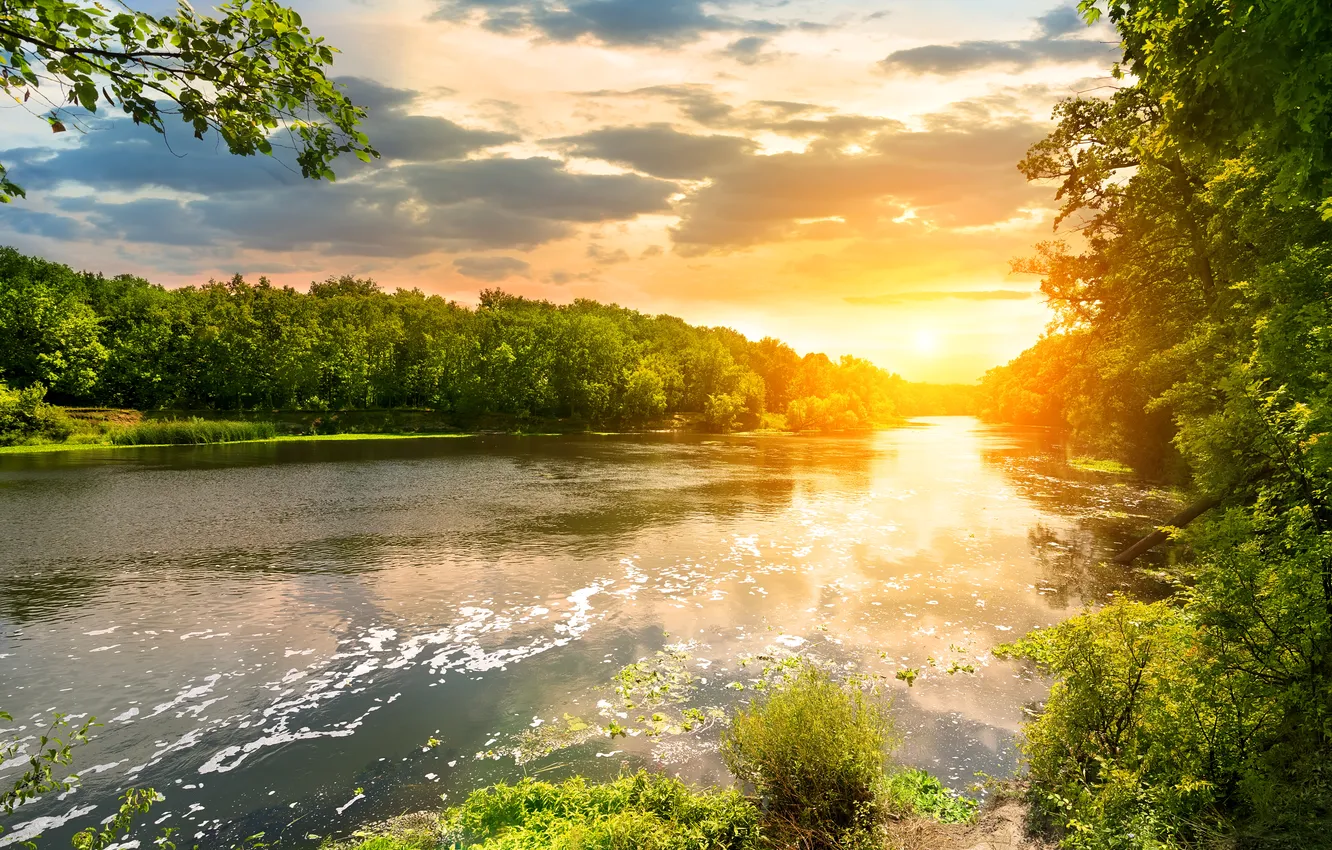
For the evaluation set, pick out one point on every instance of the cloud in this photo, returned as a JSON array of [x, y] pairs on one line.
[[116, 154], [1050, 46], [635, 23], [538, 187], [916, 296], [748, 50], [660, 150], [958, 172], [971, 55], [491, 268], [399, 135], [701, 104], [19, 219], [605, 257], [697, 102], [1061, 20], [410, 206]]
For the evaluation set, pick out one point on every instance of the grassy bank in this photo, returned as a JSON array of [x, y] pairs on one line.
[[77, 429], [178, 432], [47, 448]]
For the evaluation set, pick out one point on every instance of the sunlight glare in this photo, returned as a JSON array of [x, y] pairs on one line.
[[926, 341]]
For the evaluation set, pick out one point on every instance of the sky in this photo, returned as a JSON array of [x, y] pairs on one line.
[[839, 174]]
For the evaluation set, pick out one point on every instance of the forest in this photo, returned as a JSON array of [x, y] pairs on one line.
[[348, 345], [1192, 286]]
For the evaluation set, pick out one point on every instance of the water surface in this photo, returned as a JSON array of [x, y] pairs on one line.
[[263, 629]]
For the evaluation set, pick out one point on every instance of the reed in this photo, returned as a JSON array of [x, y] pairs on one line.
[[191, 431]]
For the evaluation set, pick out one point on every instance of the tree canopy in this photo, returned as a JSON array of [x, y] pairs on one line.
[[347, 344]]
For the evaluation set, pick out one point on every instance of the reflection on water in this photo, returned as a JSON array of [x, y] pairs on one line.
[[264, 628]]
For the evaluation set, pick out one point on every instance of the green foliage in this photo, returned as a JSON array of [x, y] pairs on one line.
[[123, 342], [637, 811], [53, 751], [253, 74], [644, 396], [25, 417], [814, 750], [921, 793], [191, 431], [1230, 75], [1193, 339], [1116, 758], [52, 335], [722, 410], [136, 801], [1159, 729]]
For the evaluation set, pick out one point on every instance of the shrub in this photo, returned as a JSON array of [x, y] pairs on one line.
[[640, 811], [188, 431], [837, 412], [1132, 747], [25, 417], [721, 411], [815, 752]]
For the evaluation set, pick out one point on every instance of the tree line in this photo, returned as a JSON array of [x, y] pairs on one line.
[[1192, 287], [349, 345]]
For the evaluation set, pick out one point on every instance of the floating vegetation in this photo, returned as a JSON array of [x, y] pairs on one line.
[[1091, 464], [661, 679], [548, 738]]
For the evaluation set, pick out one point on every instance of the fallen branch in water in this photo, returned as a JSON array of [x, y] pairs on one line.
[[1157, 537]]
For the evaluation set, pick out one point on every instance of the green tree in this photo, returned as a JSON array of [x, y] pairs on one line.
[[1192, 339], [51, 338], [644, 395], [1229, 75]]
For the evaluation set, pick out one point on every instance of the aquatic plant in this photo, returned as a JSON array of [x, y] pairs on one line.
[[54, 751]]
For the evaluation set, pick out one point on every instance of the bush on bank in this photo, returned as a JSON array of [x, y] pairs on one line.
[[816, 753], [25, 417], [1181, 727]]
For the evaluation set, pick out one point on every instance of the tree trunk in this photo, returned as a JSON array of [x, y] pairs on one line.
[[1158, 537]]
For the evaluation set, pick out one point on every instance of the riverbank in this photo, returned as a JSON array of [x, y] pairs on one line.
[[670, 809], [1000, 824], [105, 428], [44, 448]]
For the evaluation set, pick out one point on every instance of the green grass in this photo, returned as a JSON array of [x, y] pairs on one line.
[[641, 811], [44, 448], [813, 750], [174, 432]]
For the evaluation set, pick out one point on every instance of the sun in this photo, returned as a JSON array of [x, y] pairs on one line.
[[925, 341]]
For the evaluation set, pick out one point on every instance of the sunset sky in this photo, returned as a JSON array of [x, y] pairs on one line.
[[839, 174]]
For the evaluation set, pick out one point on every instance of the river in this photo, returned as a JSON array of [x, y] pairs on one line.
[[272, 633]]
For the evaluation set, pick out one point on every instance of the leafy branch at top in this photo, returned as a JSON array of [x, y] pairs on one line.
[[254, 74]]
